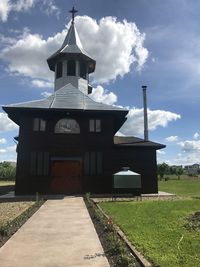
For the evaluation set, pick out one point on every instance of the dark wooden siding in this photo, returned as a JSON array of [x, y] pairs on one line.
[[57, 145], [140, 160]]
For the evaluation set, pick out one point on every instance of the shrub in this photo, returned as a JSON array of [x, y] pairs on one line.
[[7, 171]]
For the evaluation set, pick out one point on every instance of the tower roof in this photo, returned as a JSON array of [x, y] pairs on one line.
[[71, 47]]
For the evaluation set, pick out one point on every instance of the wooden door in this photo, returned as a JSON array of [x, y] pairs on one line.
[[66, 177]]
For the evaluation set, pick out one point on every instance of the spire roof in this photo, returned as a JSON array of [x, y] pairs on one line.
[[71, 46], [72, 38]]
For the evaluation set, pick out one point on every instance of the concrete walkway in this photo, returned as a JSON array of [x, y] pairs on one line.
[[59, 234]]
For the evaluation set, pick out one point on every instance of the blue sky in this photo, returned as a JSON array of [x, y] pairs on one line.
[[135, 42]]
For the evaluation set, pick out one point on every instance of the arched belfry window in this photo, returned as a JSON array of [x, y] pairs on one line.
[[83, 70], [71, 68], [59, 70], [67, 126]]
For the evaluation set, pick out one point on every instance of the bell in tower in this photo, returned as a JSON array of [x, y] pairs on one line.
[[71, 63]]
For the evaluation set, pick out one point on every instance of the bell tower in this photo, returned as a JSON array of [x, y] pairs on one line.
[[71, 63]]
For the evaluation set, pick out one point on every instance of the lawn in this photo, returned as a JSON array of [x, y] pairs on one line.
[[187, 187], [158, 230], [4, 183], [6, 186]]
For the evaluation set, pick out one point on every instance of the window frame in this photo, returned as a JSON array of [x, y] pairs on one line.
[[95, 126], [39, 125]]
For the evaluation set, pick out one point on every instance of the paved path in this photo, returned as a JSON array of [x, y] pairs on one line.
[[59, 234]]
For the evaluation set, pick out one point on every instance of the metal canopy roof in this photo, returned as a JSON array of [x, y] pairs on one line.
[[126, 172], [69, 98], [131, 141], [71, 45]]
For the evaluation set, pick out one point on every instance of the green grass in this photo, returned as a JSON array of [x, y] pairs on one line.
[[187, 188], [4, 183], [157, 229], [182, 177], [6, 186]]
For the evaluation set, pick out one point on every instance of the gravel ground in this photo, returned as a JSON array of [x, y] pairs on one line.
[[11, 210]]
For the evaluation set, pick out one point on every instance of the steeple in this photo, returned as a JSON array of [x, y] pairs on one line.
[[71, 63]]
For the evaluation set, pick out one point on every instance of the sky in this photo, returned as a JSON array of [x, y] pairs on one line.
[[134, 42]]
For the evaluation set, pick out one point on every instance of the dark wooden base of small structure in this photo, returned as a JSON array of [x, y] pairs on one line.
[[126, 192]]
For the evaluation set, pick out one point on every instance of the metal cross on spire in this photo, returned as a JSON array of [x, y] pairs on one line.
[[73, 11]]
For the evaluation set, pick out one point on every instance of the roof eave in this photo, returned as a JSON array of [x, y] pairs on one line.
[[153, 145], [51, 61], [14, 108]]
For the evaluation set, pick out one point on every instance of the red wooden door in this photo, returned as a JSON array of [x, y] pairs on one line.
[[66, 177]]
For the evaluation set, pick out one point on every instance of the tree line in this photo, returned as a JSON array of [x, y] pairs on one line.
[[165, 169], [7, 171]]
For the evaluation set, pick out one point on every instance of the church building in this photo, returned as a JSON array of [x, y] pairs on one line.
[[67, 142]]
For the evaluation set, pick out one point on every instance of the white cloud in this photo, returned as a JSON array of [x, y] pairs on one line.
[[172, 138], [42, 84], [135, 118], [135, 121], [32, 47], [103, 96], [196, 135], [21, 5], [161, 152], [11, 148], [186, 158], [49, 8], [2, 141], [46, 94], [5, 8], [5, 41], [8, 153], [6, 124], [190, 145], [114, 45], [190, 153]]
